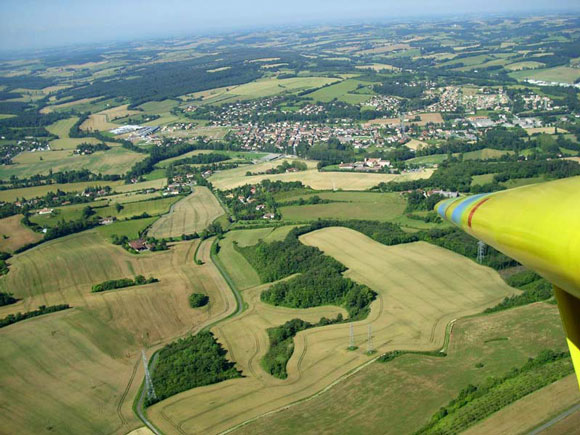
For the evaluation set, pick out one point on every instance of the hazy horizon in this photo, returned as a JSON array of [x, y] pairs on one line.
[[33, 24]]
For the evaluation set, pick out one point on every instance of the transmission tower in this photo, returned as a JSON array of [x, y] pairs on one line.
[[370, 342], [148, 381], [480, 251], [351, 336], [403, 124]]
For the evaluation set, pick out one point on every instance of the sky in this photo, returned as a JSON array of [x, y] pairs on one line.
[[32, 24]]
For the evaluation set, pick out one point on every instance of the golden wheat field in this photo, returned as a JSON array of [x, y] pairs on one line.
[[190, 215], [85, 361], [13, 234], [421, 289], [313, 178]]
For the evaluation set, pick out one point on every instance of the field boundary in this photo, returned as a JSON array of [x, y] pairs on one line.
[[443, 349], [139, 400]]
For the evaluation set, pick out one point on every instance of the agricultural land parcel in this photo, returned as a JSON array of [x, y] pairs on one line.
[[13, 234], [421, 288], [190, 215], [86, 360], [114, 161], [313, 178], [421, 384]]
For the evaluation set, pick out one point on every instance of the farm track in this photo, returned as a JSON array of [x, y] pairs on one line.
[[227, 312], [320, 358]]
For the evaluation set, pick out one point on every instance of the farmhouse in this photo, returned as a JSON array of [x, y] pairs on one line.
[[45, 211], [107, 220], [444, 193], [138, 245]]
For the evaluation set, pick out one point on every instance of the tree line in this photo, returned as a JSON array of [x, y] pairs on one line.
[[122, 283]]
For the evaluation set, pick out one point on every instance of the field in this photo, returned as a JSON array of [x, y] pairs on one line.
[[242, 274], [65, 142], [402, 395], [415, 144], [425, 119], [114, 161], [537, 407], [103, 209], [378, 67], [428, 160], [485, 153], [563, 74], [249, 156], [68, 105], [354, 205], [87, 360], [421, 289], [33, 192], [132, 228], [312, 177], [524, 65], [104, 120], [343, 91], [547, 130], [263, 88], [13, 234], [190, 215]]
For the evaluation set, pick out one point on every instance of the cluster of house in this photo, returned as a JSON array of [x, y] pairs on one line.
[[290, 134], [368, 165], [383, 103], [538, 102], [450, 98], [250, 200]]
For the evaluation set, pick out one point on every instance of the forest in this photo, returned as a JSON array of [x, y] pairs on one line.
[[188, 363], [320, 281], [534, 289]]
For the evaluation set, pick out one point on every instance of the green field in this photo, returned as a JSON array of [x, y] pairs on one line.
[[114, 161], [419, 385], [65, 142], [153, 207], [517, 66], [191, 214], [352, 205], [482, 179], [243, 275], [266, 87], [36, 191], [563, 74], [343, 91], [428, 160], [132, 229], [485, 154]]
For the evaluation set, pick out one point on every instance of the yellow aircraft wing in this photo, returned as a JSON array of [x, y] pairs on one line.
[[539, 226]]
